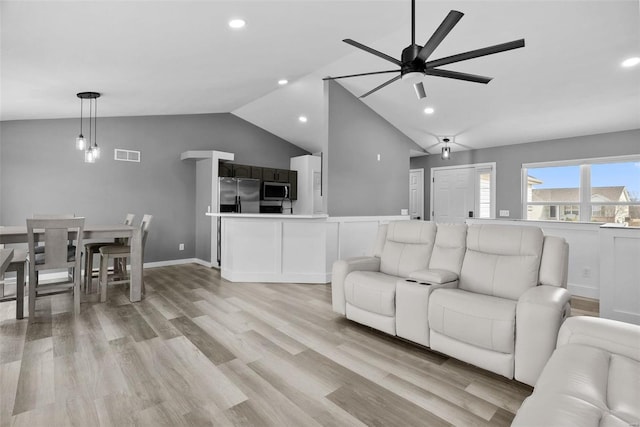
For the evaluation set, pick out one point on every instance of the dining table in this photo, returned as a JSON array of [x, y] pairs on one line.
[[18, 234]]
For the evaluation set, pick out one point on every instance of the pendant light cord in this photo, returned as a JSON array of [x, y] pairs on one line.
[[90, 113], [95, 125], [81, 102]]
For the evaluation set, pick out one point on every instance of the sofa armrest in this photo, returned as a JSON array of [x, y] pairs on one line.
[[610, 335], [341, 269], [539, 313], [434, 276]]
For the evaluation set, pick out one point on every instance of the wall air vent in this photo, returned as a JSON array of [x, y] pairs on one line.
[[126, 155]]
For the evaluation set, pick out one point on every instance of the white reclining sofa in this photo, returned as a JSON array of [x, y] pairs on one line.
[[490, 295], [592, 378]]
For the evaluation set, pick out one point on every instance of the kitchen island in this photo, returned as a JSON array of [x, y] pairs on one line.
[[291, 248]]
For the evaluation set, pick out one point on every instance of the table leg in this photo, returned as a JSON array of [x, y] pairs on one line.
[[20, 291], [136, 285]]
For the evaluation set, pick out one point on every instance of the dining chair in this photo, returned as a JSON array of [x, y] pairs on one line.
[[90, 249], [18, 264], [54, 255], [120, 253]]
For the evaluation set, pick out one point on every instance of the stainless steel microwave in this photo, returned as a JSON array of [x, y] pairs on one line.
[[276, 190]]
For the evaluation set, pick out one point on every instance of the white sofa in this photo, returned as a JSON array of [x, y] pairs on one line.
[[592, 378], [493, 296]]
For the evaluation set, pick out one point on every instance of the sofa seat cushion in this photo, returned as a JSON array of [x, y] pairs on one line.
[[371, 291], [584, 386], [481, 320]]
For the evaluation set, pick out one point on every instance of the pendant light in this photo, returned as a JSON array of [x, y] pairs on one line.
[[446, 150], [89, 145]]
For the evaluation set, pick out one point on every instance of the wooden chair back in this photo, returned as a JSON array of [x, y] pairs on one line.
[[56, 238], [144, 227]]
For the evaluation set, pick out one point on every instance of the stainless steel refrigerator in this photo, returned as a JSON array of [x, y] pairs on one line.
[[240, 195]]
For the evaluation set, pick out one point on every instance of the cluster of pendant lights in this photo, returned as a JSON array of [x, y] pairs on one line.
[[89, 145]]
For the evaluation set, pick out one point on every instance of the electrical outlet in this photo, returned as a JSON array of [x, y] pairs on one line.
[[504, 212], [586, 272], [181, 247]]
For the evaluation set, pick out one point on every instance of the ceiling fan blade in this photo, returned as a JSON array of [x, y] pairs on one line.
[[361, 74], [476, 53], [372, 51], [388, 82], [436, 38], [419, 87], [457, 75]]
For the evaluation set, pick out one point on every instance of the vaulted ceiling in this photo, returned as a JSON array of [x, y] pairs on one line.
[[180, 57]]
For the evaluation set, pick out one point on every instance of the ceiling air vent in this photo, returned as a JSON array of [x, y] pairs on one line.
[[126, 155]]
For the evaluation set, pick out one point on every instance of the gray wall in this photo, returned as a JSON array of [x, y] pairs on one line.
[[40, 171], [204, 187], [359, 184], [509, 160]]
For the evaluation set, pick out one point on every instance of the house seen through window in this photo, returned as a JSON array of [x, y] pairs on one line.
[[601, 190]]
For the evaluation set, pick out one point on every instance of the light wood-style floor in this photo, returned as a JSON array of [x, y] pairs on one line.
[[200, 351]]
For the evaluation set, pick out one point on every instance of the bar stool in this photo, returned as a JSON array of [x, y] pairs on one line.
[[119, 253], [90, 249]]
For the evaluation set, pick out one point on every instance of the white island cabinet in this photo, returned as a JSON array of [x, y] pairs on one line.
[[291, 248]]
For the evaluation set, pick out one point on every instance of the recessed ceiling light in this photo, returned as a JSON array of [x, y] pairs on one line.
[[283, 82], [303, 119], [429, 110], [630, 62], [237, 23]]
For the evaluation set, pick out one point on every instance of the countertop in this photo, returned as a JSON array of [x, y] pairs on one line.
[[266, 215]]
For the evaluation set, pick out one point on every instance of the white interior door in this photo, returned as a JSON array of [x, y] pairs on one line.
[[416, 193], [453, 193]]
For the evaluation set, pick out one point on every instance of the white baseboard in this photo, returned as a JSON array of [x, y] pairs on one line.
[[317, 278], [177, 262], [583, 291]]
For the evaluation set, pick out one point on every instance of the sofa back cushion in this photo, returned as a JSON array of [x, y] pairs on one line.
[[407, 247], [501, 260], [381, 237], [554, 266], [449, 248]]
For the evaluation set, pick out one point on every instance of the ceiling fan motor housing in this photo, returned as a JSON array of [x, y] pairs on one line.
[[409, 62]]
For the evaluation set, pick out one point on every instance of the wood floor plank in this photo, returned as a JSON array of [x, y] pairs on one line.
[[241, 347], [210, 347], [201, 351], [12, 335], [374, 405], [9, 375], [266, 405]]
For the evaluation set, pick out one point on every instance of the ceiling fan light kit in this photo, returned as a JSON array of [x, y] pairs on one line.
[[414, 62]]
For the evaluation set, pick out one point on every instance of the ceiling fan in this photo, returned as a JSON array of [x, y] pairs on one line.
[[414, 60]]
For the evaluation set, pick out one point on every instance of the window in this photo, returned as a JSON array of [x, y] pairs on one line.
[[594, 190]]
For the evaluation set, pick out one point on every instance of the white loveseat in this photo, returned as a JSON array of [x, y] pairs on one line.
[[493, 296], [592, 378]]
